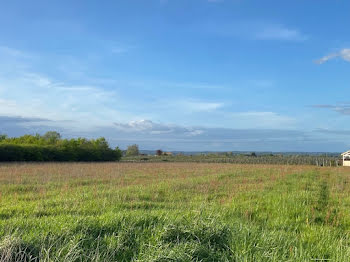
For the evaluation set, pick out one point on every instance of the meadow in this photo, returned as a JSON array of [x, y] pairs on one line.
[[173, 212]]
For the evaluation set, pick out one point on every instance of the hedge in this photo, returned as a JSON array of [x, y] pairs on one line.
[[14, 152]]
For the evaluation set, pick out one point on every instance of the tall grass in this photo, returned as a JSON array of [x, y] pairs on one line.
[[173, 212]]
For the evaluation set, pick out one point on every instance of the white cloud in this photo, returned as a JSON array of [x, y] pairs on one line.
[[119, 50], [261, 83], [138, 125], [343, 54], [192, 85], [153, 135], [198, 106], [279, 32], [343, 108], [148, 127], [254, 30], [12, 52], [37, 80], [241, 121], [36, 95], [7, 106], [262, 120]]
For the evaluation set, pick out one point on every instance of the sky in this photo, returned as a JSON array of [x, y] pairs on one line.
[[186, 75]]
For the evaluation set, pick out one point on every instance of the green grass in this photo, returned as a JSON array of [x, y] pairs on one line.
[[173, 212]]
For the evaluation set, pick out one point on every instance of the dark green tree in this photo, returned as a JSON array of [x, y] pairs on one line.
[[3, 137], [51, 137]]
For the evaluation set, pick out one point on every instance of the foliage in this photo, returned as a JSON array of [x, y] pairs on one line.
[[2, 137], [159, 152], [52, 137], [50, 147], [133, 150]]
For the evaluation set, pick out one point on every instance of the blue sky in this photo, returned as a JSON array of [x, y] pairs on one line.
[[179, 74]]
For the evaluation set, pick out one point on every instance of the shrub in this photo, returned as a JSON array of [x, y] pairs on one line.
[[51, 147], [133, 150]]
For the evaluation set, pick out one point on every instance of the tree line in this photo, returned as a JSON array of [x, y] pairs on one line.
[[51, 147]]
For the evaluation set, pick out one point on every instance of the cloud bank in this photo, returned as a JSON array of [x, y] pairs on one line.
[[151, 135]]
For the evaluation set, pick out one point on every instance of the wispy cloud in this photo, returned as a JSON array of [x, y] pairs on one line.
[[19, 119], [279, 32], [38, 80], [198, 106], [40, 96], [343, 54], [256, 30], [262, 120], [119, 50], [261, 83], [333, 132], [12, 52], [192, 85], [149, 127], [343, 108]]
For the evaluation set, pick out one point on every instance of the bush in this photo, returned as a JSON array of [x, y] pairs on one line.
[[133, 150], [51, 147], [10, 152]]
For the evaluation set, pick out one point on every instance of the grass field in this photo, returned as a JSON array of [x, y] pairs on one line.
[[173, 212]]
